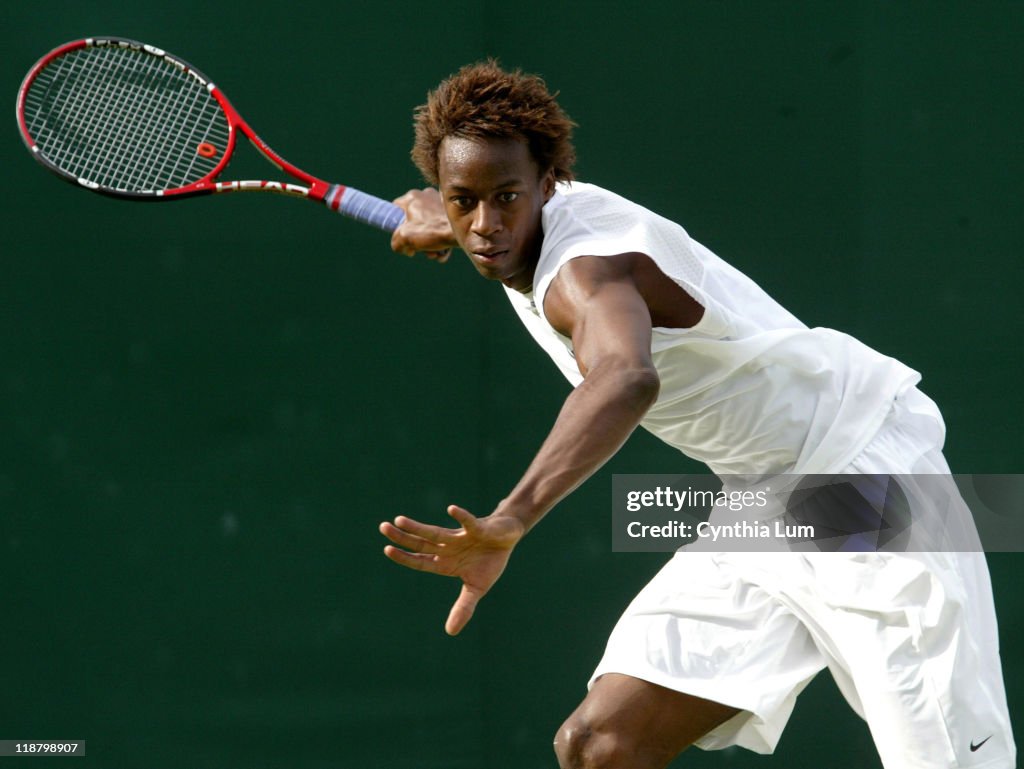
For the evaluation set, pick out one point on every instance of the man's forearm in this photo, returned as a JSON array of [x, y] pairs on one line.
[[596, 419]]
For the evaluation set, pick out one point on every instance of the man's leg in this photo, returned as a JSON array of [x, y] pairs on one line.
[[627, 723]]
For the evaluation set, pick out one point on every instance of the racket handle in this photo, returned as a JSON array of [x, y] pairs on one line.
[[364, 208]]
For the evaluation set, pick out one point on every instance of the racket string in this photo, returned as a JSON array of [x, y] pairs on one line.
[[75, 114], [186, 120], [161, 133], [125, 119], [131, 147], [95, 114], [160, 130], [126, 146]]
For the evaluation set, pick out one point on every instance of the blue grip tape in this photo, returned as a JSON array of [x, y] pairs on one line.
[[370, 209]]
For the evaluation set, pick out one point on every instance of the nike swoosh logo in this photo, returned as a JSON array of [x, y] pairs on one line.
[[974, 747]]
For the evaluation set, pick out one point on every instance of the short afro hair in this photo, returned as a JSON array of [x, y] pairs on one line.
[[484, 101]]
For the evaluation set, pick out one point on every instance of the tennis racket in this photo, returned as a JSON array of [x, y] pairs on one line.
[[123, 118]]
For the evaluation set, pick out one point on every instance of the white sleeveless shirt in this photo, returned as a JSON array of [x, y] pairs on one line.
[[749, 390]]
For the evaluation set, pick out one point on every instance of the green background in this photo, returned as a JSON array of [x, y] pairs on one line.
[[206, 408]]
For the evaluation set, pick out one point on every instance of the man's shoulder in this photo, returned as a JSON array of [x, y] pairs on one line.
[[576, 192], [580, 206], [583, 219]]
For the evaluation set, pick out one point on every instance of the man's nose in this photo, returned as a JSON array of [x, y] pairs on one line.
[[486, 220]]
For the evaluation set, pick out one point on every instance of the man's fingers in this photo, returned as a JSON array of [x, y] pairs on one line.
[[403, 243], [462, 611], [400, 244], [426, 226], [436, 534], [417, 561], [405, 199], [409, 541], [462, 516]]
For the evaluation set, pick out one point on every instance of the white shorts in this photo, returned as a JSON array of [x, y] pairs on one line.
[[910, 638]]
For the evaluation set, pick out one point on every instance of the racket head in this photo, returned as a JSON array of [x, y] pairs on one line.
[[127, 119]]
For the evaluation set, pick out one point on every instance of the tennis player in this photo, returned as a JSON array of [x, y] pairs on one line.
[[653, 329]]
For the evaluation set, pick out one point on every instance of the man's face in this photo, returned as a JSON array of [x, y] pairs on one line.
[[493, 193]]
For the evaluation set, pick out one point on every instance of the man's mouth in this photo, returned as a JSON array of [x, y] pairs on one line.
[[490, 255]]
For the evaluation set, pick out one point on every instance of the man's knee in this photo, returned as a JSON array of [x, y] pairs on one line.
[[581, 745], [626, 722]]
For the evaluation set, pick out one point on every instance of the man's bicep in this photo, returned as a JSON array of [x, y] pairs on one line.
[[595, 302], [615, 326]]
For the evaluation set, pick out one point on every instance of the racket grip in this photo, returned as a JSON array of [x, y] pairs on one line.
[[364, 208]]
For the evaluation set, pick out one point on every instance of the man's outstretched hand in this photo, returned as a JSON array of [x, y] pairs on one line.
[[476, 553]]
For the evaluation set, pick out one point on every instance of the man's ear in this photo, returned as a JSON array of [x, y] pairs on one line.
[[549, 184]]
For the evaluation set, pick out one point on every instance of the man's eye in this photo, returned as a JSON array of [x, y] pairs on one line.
[[461, 202], [508, 197]]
